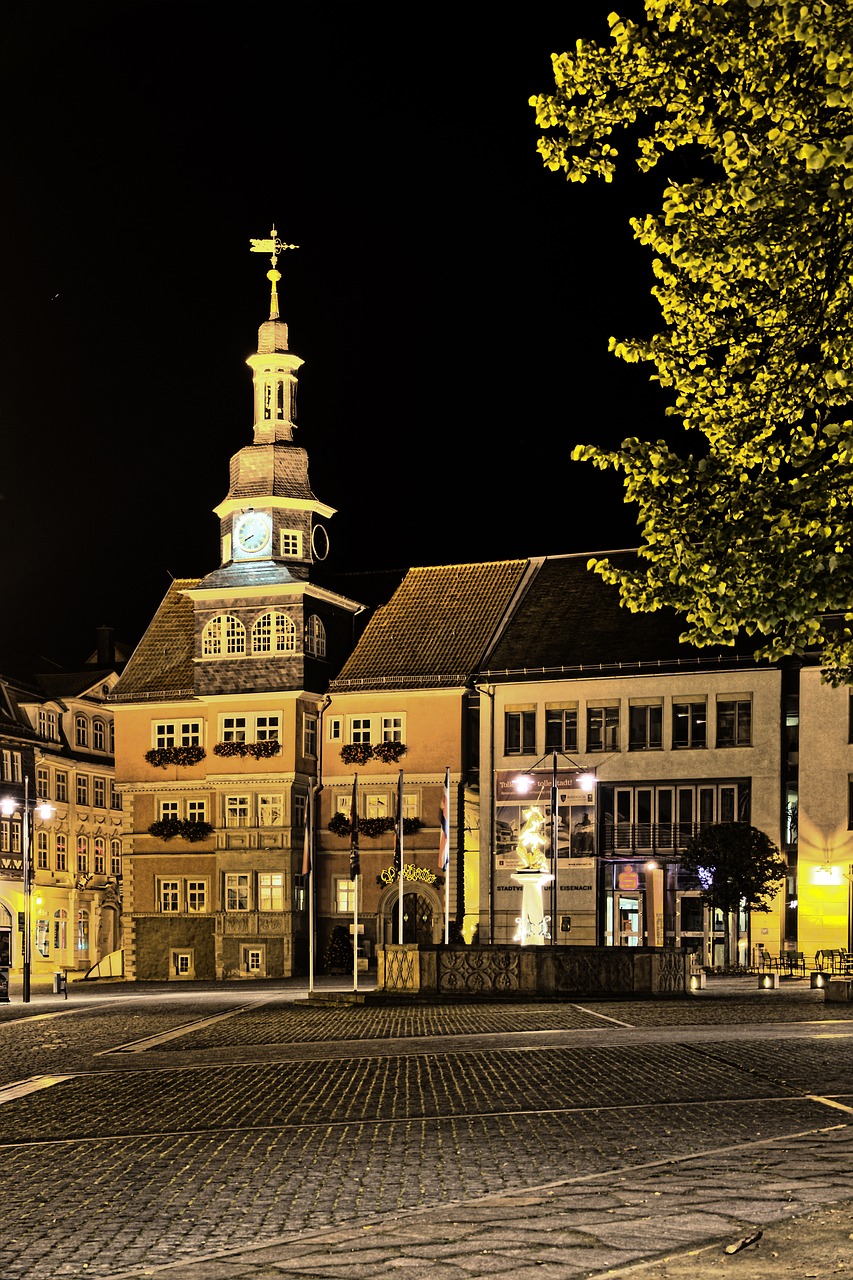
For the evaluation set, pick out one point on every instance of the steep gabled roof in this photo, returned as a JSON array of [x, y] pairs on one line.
[[436, 627], [570, 618], [161, 666]]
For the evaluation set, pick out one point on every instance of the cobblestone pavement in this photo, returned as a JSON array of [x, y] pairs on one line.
[[218, 1134]]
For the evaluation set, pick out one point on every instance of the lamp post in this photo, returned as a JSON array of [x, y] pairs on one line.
[[8, 807], [523, 783]]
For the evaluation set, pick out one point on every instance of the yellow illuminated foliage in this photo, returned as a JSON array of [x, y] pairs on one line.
[[531, 842], [753, 260]]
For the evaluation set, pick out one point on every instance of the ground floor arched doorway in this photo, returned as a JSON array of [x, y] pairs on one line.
[[423, 916]]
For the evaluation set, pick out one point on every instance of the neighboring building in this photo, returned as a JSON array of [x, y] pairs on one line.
[[652, 740], [218, 717], [57, 734], [402, 702]]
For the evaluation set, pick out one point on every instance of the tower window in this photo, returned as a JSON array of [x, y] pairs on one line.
[[315, 637], [223, 635], [291, 543], [274, 633]]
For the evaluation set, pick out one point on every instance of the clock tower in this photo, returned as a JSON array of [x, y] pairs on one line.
[[272, 532]]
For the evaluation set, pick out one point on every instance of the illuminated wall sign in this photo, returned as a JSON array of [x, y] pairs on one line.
[[410, 872], [628, 879]]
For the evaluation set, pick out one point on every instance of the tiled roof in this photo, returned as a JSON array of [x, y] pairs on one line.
[[162, 664], [435, 628], [569, 618], [71, 684]]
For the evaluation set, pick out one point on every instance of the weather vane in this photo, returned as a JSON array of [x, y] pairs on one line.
[[273, 247]]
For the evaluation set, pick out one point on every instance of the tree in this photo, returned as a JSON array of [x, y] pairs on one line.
[[737, 865], [751, 531], [339, 951]]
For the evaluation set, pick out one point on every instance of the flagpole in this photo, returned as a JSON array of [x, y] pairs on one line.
[[400, 859], [309, 836], [447, 868], [355, 871]]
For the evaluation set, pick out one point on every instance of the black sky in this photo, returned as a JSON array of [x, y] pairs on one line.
[[451, 298]]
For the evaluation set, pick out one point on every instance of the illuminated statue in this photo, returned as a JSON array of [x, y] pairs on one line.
[[531, 842]]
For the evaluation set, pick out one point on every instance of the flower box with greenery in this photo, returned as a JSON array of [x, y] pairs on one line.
[[260, 750], [356, 752], [389, 752], [372, 827], [168, 828], [160, 757]]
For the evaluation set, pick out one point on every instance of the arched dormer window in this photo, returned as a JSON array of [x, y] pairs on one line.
[[223, 636], [81, 731], [99, 735], [315, 637], [274, 633]]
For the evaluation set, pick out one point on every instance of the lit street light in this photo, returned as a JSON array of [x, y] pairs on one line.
[[9, 806]]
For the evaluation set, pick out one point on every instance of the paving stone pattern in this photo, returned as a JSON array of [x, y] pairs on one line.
[[437, 1158]]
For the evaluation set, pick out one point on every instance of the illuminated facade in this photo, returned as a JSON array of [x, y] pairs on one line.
[[218, 715], [58, 734]]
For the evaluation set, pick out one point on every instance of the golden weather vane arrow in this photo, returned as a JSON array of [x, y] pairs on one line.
[[274, 246]]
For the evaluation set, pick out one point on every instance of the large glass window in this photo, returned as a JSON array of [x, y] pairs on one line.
[[315, 637], [602, 728], [274, 633], [561, 729], [270, 891], [196, 895], [734, 722], [177, 733], [519, 733], [61, 787], [81, 731], [689, 725], [236, 892], [170, 895], [237, 811], [223, 635], [645, 727]]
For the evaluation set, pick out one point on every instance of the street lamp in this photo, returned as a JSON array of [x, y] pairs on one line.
[[9, 806], [524, 782]]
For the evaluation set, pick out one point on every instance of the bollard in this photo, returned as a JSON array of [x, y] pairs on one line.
[[768, 981]]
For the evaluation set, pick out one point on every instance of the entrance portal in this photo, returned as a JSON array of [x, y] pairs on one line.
[[417, 919]]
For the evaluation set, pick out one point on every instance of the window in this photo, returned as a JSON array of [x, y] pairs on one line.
[[82, 855], [345, 896], [83, 931], [115, 796], [169, 895], [61, 853], [267, 728], [43, 937], [43, 783], [237, 811], [291, 543], [100, 856], [734, 722], [41, 851], [411, 805], [112, 738], [223, 635], [602, 728], [82, 788], [274, 633], [236, 892], [376, 806], [183, 964], [253, 960], [169, 809], [519, 733], [392, 728], [645, 727], [10, 766], [60, 930], [99, 735], [270, 891], [49, 725], [233, 728], [561, 728], [361, 729], [270, 810], [315, 637], [81, 731], [197, 811], [99, 793], [309, 735], [689, 725], [299, 805], [115, 857], [61, 787], [335, 728], [177, 733], [196, 895]]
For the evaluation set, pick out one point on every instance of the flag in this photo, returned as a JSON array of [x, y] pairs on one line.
[[354, 862], [306, 849], [398, 829], [444, 838]]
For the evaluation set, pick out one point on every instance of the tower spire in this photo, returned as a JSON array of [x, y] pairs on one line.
[[274, 246]]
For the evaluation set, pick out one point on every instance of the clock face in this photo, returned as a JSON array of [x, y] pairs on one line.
[[253, 533]]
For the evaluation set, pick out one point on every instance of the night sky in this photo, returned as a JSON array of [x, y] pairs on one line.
[[451, 298]]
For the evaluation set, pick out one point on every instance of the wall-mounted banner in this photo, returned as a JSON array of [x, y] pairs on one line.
[[516, 792]]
